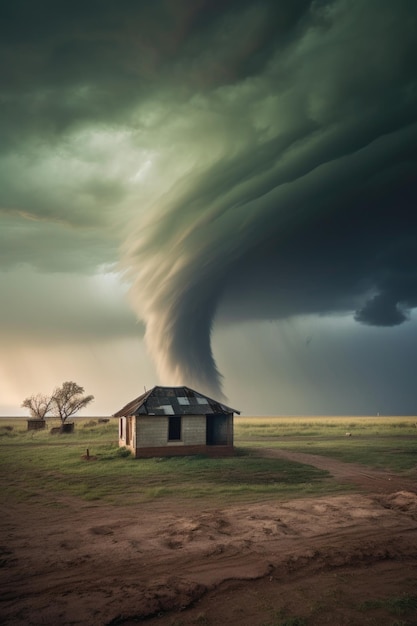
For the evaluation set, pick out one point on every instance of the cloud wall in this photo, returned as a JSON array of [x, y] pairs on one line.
[[294, 190], [244, 161]]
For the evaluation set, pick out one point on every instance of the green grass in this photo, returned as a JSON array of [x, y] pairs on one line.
[[290, 621], [250, 428], [401, 605], [34, 469], [36, 466], [388, 454], [379, 442]]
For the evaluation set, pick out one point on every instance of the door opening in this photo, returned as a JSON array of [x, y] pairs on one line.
[[216, 430]]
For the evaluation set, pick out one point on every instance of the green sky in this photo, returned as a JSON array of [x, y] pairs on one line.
[[215, 194]]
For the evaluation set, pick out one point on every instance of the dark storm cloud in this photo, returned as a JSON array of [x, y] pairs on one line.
[[381, 310], [310, 205], [262, 156], [72, 72], [73, 63]]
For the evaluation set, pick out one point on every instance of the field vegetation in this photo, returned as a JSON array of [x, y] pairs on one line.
[[379, 442], [293, 426], [36, 465]]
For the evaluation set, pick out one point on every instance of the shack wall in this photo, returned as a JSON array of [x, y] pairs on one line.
[[193, 430], [162, 451], [127, 432], [152, 430]]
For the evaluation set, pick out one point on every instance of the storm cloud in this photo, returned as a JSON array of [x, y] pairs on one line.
[[236, 160], [305, 203]]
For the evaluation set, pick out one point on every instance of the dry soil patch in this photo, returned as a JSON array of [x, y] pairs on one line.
[[181, 563]]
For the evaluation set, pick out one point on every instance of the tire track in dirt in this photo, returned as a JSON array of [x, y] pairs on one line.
[[99, 564], [374, 480]]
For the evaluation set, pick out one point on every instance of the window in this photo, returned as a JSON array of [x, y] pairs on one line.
[[167, 409], [174, 428]]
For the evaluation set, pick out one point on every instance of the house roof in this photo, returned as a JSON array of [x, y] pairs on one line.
[[173, 401]]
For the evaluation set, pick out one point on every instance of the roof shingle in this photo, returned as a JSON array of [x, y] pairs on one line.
[[173, 401]]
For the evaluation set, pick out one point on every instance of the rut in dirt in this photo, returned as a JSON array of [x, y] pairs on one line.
[[366, 478]]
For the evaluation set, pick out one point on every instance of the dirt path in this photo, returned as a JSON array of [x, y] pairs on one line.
[[366, 478], [181, 564]]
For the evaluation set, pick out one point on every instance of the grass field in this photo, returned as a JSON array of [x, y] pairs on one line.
[[285, 426], [380, 442], [36, 465]]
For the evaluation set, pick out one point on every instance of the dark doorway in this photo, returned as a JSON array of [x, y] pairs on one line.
[[174, 428], [216, 430], [128, 431]]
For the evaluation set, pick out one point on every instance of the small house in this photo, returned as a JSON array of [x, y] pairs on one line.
[[173, 421]]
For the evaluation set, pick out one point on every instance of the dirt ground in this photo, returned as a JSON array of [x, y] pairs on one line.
[[307, 561]]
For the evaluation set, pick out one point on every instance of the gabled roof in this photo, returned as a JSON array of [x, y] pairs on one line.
[[173, 401]]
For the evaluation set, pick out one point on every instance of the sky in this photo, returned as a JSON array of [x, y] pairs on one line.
[[219, 194]]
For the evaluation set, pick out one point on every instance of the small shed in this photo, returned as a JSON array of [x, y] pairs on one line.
[[176, 421]]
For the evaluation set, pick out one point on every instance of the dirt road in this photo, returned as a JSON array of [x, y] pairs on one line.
[[318, 559], [375, 481]]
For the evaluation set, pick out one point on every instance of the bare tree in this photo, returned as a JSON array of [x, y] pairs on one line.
[[39, 405], [68, 399]]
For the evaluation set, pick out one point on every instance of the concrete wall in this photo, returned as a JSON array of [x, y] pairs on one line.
[[211, 451], [193, 430], [147, 435], [152, 430], [36, 424], [127, 433]]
